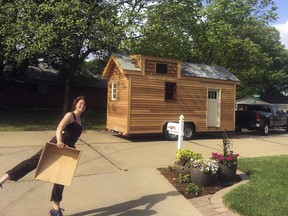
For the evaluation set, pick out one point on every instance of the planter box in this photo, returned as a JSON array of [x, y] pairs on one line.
[[227, 173], [202, 179], [57, 165], [181, 169]]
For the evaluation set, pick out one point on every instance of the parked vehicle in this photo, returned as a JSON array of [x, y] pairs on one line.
[[262, 117]]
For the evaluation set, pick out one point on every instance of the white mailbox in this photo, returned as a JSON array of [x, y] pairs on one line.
[[173, 128]]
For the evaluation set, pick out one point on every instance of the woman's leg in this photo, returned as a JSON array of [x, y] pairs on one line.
[[56, 196], [22, 168]]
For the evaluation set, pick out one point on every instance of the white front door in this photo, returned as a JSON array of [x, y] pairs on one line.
[[213, 108]]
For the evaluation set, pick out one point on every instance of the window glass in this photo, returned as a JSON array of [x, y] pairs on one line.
[[170, 91], [161, 68], [114, 90]]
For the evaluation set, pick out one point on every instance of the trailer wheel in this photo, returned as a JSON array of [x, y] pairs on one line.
[[265, 129], [189, 132], [170, 136]]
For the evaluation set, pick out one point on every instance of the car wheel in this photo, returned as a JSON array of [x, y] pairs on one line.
[[189, 132], [265, 129]]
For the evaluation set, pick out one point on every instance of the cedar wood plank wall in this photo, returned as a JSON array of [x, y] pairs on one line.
[[147, 111]]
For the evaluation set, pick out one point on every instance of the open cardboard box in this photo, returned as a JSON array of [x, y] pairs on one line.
[[57, 165]]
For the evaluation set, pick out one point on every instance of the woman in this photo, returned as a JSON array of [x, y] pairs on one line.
[[67, 134]]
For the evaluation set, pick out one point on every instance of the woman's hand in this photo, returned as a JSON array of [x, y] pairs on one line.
[[61, 144]]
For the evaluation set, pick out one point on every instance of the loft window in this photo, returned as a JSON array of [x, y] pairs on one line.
[[114, 90], [170, 91], [161, 68]]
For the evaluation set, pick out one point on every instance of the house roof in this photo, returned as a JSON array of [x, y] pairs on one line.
[[40, 75], [127, 63], [206, 71]]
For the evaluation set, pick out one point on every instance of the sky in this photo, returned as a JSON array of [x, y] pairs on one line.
[[282, 23]]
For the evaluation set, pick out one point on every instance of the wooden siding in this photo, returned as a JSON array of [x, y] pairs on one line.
[[149, 111], [117, 110]]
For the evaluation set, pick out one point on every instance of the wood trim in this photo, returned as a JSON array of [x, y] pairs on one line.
[[129, 105]]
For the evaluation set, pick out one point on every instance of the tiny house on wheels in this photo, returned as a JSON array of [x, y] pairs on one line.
[[145, 93]]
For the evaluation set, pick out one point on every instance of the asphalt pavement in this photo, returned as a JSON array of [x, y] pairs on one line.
[[117, 175]]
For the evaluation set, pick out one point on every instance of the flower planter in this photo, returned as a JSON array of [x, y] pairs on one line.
[[181, 169], [201, 178], [227, 173]]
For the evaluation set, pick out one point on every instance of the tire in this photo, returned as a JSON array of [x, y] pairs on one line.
[[189, 132], [169, 136], [265, 129], [238, 129]]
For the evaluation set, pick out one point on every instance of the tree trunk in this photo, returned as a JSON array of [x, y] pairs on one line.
[[67, 93]]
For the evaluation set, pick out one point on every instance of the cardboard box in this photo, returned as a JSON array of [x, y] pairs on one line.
[[57, 165]]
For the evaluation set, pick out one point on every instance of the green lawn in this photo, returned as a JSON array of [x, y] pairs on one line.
[[40, 120], [267, 191]]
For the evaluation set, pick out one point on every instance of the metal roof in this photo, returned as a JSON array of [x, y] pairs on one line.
[[206, 71], [127, 63], [188, 69]]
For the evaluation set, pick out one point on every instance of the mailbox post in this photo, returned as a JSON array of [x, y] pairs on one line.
[[177, 129], [181, 132]]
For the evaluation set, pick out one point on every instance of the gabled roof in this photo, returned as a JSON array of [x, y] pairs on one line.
[[128, 64]]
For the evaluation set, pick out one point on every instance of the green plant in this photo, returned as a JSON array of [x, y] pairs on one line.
[[192, 189], [205, 165], [183, 157], [184, 178], [170, 168], [227, 157]]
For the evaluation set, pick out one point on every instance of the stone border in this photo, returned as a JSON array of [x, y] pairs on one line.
[[211, 205], [216, 200]]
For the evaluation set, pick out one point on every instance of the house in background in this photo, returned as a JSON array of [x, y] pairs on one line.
[[145, 93], [44, 88]]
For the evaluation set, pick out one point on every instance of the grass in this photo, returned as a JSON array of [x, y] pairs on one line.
[[266, 192], [41, 120]]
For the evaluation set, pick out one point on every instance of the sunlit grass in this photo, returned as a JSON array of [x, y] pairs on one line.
[[266, 192]]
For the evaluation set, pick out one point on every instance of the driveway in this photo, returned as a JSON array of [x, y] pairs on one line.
[[117, 175]]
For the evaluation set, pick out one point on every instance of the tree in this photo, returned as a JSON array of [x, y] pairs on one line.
[[233, 34], [165, 32], [63, 33]]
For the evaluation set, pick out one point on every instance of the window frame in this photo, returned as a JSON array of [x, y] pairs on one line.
[[114, 90], [170, 95], [159, 68]]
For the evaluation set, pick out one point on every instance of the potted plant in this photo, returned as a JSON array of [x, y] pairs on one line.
[[227, 160], [183, 157], [203, 172]]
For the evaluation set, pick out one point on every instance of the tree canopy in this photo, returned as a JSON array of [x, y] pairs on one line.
[[63, 33]]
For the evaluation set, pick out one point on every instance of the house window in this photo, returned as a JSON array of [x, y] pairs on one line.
[[161, 68], [170, 91], [114, 90]]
